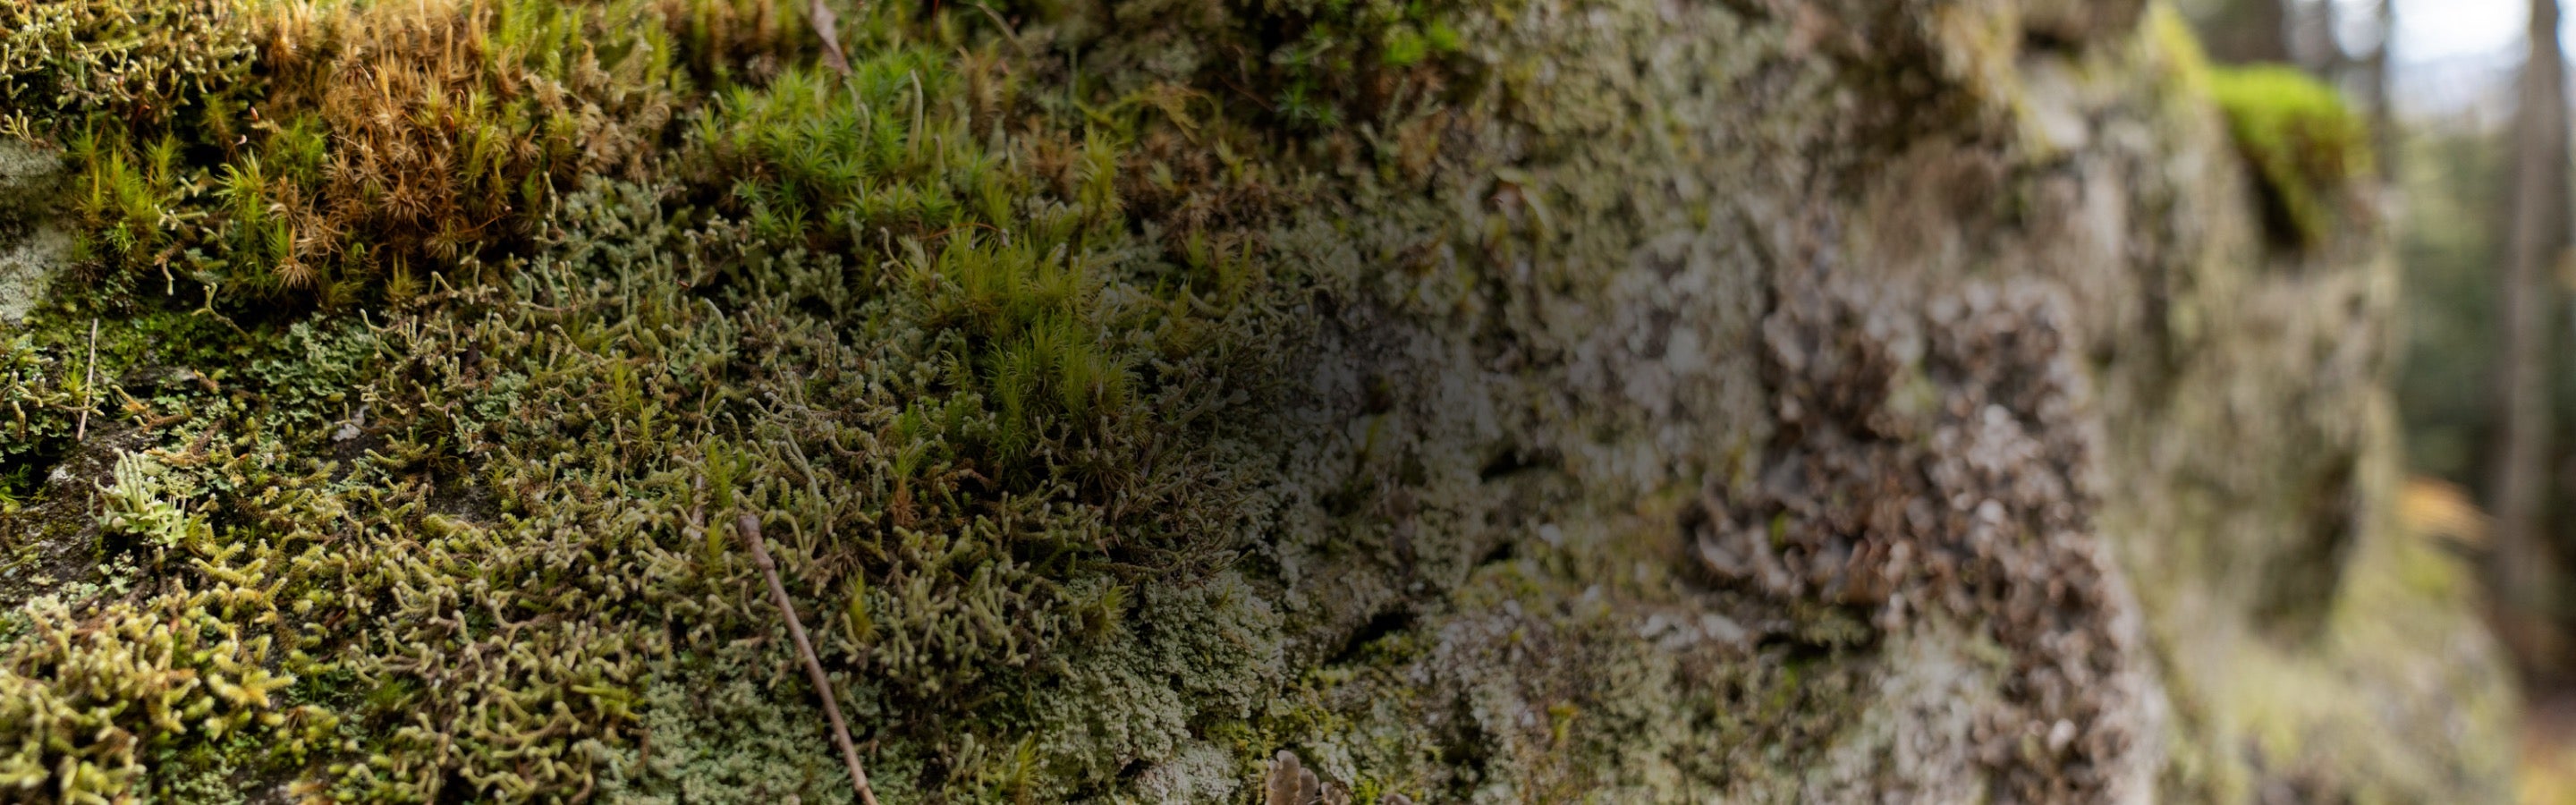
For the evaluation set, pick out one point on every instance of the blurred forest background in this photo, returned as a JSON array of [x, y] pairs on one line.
[[2469, 104]]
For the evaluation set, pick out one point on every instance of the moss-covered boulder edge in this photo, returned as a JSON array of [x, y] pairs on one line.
[[1554, 400]]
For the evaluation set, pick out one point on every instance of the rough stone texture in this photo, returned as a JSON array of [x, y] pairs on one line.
[[29, 250], [1892, 403]]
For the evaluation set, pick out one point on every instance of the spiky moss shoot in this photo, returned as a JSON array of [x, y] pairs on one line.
[[2308, 151]]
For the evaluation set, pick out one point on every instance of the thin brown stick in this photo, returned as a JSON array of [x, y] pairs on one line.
[[749, 525], [89, 387], [1008, 31]]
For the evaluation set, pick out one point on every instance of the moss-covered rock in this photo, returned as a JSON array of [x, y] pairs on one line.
[[1561, 400]]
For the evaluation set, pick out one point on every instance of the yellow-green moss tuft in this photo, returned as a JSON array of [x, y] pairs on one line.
[[2306, 148]]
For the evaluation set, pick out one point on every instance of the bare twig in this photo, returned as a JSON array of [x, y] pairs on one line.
[[1008, 31], [89, 387], [749, 525]]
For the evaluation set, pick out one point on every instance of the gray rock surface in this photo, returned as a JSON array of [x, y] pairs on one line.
[[32, 249]]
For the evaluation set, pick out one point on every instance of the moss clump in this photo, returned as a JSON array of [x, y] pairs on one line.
[[2307, 149], [339, 152]]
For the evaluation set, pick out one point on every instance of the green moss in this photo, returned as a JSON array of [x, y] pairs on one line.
[[2308, 151], [1406, 46], [477, 510]]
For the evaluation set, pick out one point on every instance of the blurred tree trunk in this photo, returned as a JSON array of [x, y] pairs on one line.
[[2383, 97], [2312, 38], [2522, 561], [2250, 31]]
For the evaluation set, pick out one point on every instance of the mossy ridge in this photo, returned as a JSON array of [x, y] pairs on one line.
[[2309, 153]]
